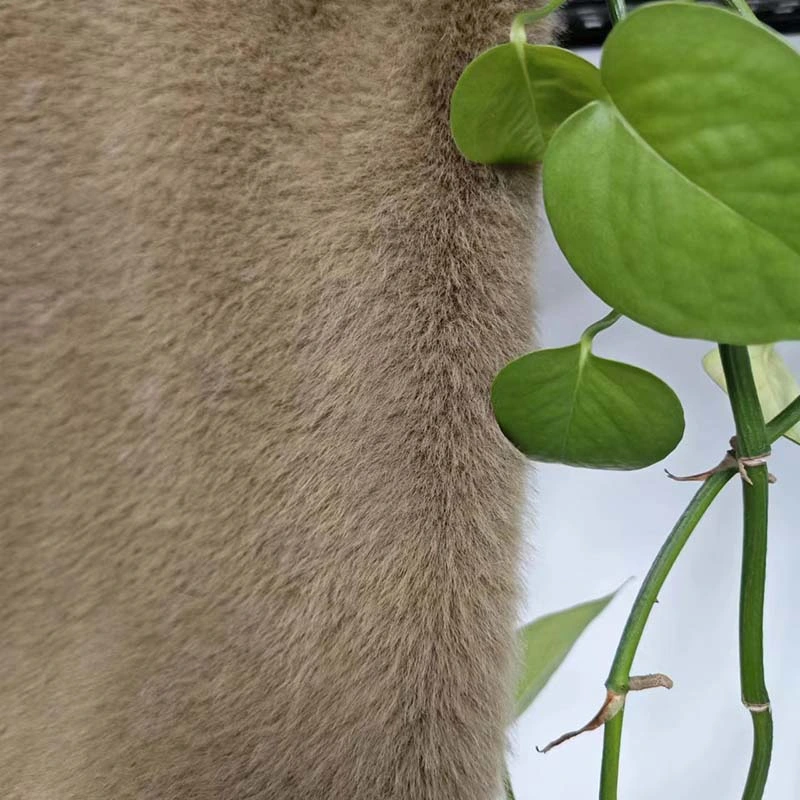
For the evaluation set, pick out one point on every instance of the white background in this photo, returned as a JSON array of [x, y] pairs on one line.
[[589, 531]]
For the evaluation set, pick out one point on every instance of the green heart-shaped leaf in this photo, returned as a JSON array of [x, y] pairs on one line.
[[776, 386], [676, 198], [510, 99], [569, 406], [545, 643]]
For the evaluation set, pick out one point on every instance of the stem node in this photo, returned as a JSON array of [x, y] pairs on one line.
[[756, 708]]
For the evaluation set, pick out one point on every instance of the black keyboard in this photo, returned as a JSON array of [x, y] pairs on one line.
[[588, 21]]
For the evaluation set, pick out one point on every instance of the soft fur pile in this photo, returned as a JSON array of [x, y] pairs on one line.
[[259, 532]]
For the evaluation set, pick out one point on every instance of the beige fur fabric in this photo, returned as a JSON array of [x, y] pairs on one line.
[[259, 532]]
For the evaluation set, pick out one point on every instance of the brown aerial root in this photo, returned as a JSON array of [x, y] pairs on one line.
[[636, 683], [613, 704], [730, 461]]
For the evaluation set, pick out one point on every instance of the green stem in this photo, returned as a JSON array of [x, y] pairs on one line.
[[744, 9], [623, 659], [751, 636], [509, 789], [518, 35], [606, 322], [781, 423], [617, 10], [609, 772], [762, 752], [751, 442], [587, 337], [751, 433], [648, 593]]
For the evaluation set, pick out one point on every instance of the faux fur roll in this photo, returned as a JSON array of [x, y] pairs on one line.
[[258, 530]]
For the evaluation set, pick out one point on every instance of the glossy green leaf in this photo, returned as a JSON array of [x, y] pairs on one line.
[[506, 106], [776, 386], [571, 407], [677, 197], [545, 643]]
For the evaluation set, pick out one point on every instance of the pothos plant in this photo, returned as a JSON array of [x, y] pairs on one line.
[[671, 180]]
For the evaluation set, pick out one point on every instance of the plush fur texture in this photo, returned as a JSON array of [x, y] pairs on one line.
[[259, 530]]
